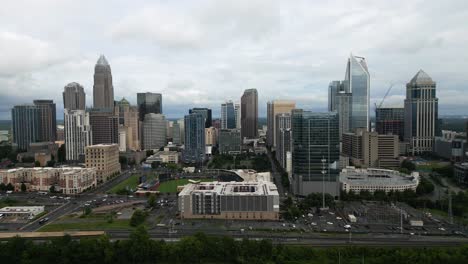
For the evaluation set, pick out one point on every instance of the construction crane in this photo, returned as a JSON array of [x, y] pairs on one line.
[[385, 96]]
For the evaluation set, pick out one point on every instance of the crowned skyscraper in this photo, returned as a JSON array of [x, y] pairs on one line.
[[103, 90], [357, 82]]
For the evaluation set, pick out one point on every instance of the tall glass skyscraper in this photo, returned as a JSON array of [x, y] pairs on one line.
[[357, 82], [149, 103], [206, 113], [228, 115], [25, 125], [315, 138], [194, 151]]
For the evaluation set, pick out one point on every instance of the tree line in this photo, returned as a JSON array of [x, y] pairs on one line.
[[139, 248]]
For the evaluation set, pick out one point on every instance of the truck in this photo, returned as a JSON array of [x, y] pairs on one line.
[[352, 218]]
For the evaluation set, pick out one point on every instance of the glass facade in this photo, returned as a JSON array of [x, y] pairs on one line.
[[228, 116], [149, 103], [315, 137], [358, 82], [206, 113], [194, 138]]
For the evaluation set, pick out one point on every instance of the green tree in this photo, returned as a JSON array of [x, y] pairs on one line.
[[407, 164], [23, 187], [37, 163], [10, 187], [52, 189], [61, 154], [51, 163], [152, 200], [138, 218], [87, 210]]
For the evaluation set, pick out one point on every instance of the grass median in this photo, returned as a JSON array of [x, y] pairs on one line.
[[171, 186], [88, 226]]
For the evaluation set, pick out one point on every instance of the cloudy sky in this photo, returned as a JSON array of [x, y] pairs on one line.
[[201, 53]]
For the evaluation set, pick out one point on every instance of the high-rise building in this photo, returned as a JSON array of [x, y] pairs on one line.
[[206, 113], [47, 120], [343, 107], [154, 131], [176, 133], [237, 111], [249, 114], [230, 141], [25, 125], [128, 120], [357, 82], [194, 151], [334, 88], [421, 113], [211, 136], [274, 108], [316, 149], [104, 125], [74, 97], [390, 120], [228, 115], [77, 134], [283, 135], [371, 150], [103, 90], [149, 103], [105, 159]]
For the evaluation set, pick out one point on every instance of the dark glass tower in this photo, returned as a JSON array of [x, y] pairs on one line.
[[206, 113], [25, 125], [249, 114], [103, 90], [315, 138], [149, 103], [228, 115], [47, 120], [194, 151]]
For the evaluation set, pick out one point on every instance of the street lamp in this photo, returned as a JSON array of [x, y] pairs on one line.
[[324, 171]]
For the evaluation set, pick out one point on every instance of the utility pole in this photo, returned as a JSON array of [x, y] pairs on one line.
[[450, 213], [323, 181], [401, 220]]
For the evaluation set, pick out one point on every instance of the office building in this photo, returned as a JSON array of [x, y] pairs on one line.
[[47, 120], [421, 113], [283, 135], [371, 180], [343, 107], [129, 123], [390, 121], [451, 145], [334, 88], [154, 131], [105, 125], [237, 112], [228, 115], [229, 200], [206, 113], [25, 125], [249, 114], [316, 148], [274, 108], [67, 180], [460, 173], [177, 132], [194, 151], [164, 157], [357, 82], [211, 136], [105, 159], [149, 103], [230, 141], [103, 90], [74, 97], [370, 149], [78, 134]]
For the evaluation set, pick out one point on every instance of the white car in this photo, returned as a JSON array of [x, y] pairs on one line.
[[347, 226], [329, 223], [313, 223], [310, 215], [338, 218]]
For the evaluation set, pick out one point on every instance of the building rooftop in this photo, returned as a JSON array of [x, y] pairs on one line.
[[376, 177], [421, 77], [253, 176], [102, 61], [232, 188], [102, 146]]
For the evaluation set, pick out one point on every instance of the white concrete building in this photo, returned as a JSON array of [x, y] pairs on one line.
[[357, 180], [77, 132]]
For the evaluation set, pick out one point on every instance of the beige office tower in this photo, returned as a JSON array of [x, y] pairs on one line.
[[105, 158], [154, 131], [74, 97], [129, 122], [210, 136], [273, 108], [103, 90]]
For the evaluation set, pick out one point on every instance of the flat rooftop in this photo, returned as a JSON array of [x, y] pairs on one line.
[[231, 188], [377, 177]]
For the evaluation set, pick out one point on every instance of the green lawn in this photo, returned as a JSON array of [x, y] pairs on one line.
[[88, 226], [171, 186]]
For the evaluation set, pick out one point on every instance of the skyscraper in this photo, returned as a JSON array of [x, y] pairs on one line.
[[421, 113], [149, 103], [74, 97], [128, 119], [206, 113], [77, 134], [194, 151], [274, 108], [390, 120], [283, 135], [343, 108], [237, 111], [249, 114], [25, 125], [154, 131], [47, 120], [333, 89], [103, 90], [105, 126], [315, 138], [228, 115], [357, 82]]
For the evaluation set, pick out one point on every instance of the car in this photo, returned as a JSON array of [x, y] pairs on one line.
[[412, 234], [441, 229], [332, 213], [310, 215], [329, 223], [347, 226], [293, 226], [313, 223], [67, 198], [338, 218]]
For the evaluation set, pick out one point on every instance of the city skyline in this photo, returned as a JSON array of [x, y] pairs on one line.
[[191, 67]]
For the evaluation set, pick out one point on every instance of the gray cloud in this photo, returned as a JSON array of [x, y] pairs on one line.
[[200, 53]]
